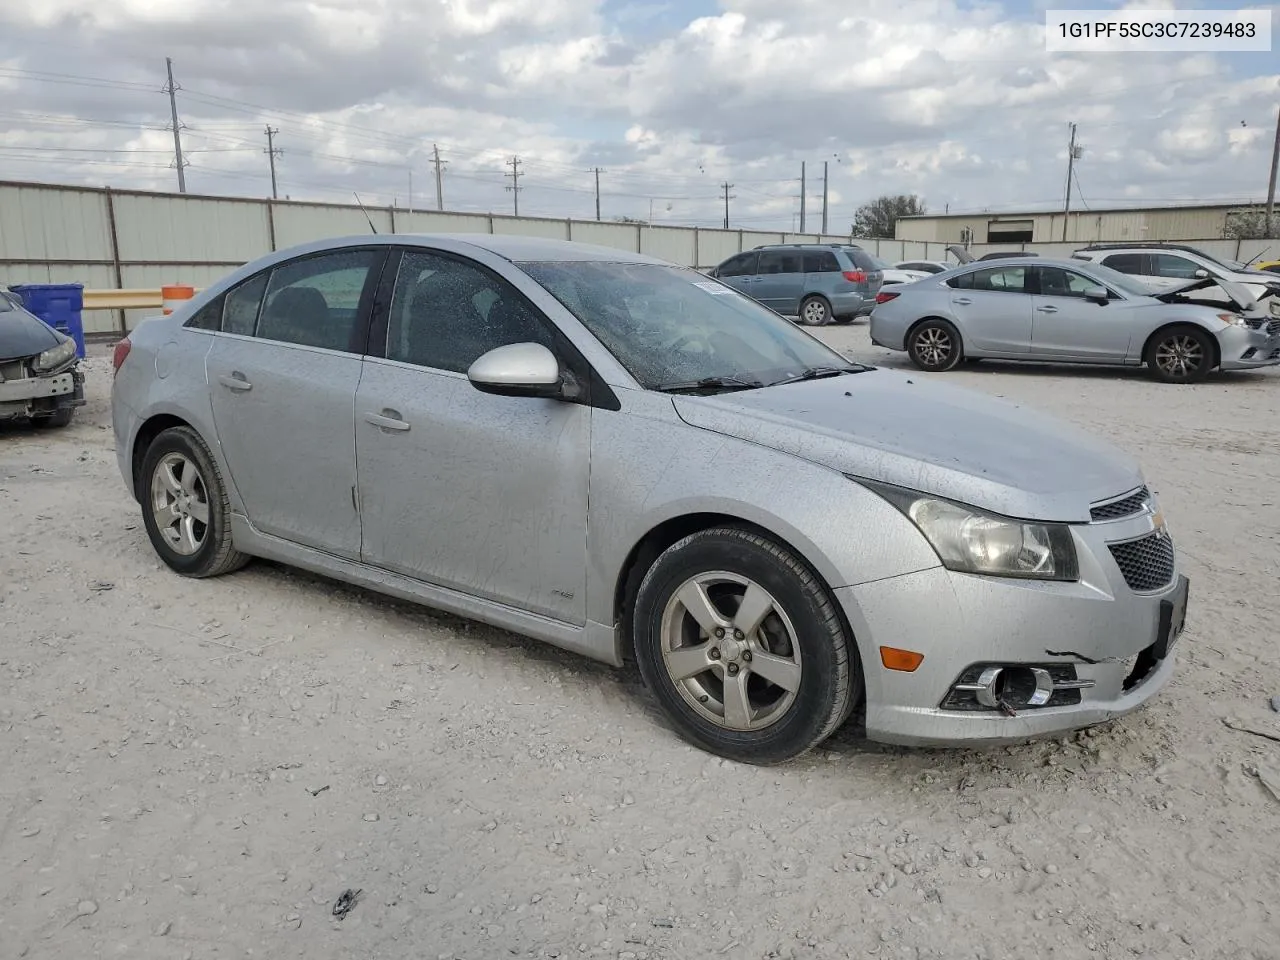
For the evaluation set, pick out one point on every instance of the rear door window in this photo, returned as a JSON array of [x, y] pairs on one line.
[[993, 279], [821, 261], [781, 261], [1131, 263]]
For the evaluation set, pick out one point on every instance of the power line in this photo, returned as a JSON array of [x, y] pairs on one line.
[[515, 188], [272, 152], [171, 88]]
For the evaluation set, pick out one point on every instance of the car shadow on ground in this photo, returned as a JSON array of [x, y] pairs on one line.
[[1026, 368]]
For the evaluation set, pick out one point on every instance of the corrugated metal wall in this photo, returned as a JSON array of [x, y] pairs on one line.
[[110, 239], [1085, 226]]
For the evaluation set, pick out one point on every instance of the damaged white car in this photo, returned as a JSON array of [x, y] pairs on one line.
[[40, 376], [1072, 311]]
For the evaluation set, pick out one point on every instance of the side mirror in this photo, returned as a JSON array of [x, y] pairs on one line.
[[518, 370], [1097, 294], [1201, 274]]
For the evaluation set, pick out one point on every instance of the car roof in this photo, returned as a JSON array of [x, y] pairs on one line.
[[523, 248]]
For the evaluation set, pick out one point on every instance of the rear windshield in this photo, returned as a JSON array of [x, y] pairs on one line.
[[862, 260]]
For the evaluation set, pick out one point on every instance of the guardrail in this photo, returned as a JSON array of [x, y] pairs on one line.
[[137, 299]]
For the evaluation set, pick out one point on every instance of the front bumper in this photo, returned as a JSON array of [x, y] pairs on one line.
[[1243, 348], [1098, 626], [36, 396]]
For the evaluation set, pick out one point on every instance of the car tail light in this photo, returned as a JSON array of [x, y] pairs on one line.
[[119, 354], [856, 276], [885, 296]]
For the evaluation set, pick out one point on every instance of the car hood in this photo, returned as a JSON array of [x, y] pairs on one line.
[[23, 334], [1241, 297], [954, 443]]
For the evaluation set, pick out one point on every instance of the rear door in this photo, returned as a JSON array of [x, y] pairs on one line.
[[283, 373], [779, 282], [1068, 326], [993, 306]]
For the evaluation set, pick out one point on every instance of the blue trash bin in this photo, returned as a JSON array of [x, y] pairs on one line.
[[60, 305]]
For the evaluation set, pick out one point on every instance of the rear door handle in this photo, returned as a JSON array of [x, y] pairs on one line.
[[235, 382], [963, 301], [387, 420], [1047, 309]]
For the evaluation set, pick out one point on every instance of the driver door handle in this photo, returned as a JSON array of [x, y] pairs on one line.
[[235, 382], [1047, 309], [963, 301], [387, 420]]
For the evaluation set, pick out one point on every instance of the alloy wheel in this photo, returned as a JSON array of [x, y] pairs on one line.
[[1180, 356], [933, 346], [180, 504], [731, 651], [814, 312]]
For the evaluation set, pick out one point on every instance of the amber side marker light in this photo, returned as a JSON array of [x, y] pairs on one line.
[[904, 660]]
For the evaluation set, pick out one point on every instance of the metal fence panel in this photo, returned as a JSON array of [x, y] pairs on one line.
[[39, 223], [155, 229]]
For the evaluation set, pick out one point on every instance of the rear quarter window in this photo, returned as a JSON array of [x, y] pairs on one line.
[[861, 259]]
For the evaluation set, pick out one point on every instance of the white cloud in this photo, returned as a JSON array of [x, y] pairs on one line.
[[957, 102]]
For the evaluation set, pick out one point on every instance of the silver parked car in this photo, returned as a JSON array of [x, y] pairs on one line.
[[628, 459], [1070, 311]]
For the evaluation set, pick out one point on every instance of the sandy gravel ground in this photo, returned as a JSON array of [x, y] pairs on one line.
[[199, 769]]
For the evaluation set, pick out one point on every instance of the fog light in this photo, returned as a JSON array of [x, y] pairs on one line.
[[1248, 354], [1010, 687]]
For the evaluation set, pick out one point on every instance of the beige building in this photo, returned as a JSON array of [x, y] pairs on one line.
[[1188, 222]]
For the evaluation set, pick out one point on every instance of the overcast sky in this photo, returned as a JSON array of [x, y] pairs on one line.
[[955, 101]]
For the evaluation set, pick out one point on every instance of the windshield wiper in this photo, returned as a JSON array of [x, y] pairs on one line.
[[709, 383], [817, 373]]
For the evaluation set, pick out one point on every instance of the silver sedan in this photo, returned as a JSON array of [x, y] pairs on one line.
[[1071, 311], [630, 460]]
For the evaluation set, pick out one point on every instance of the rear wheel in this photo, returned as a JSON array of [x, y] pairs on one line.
[[185, 507], [742, 646], [935, 345], [1180, 355], [815, 311]]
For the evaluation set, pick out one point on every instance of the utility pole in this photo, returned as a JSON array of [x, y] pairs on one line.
[[802, 192], [824, 198], [515, 188], [597, 173], [1275, 165], [172, 89], [435, 152], [726, 186], [272, 152], [1073, 153]]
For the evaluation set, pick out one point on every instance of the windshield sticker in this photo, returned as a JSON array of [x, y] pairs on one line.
[[714, 288]]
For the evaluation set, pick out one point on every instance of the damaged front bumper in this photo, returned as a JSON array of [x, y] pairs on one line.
[[23, 395]]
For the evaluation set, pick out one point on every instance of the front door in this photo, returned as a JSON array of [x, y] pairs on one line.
[[994, 309], [1067, 326], [282, 377], [478, 493]]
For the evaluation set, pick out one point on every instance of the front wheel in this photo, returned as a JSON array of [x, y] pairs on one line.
[[815, 312], [1181, 355], [935, 346], [185, 507], [59, 418], [743, 647]]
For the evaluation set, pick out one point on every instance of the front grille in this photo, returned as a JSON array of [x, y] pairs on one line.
[[1273, 328], [1124, 507], [1146, 564]]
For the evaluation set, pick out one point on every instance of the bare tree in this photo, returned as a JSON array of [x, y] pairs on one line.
[[878, 218]]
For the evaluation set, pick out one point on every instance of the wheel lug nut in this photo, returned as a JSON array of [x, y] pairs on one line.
[[746, 655], [719, 632], [733, 669], [714, 653], [737, 634]]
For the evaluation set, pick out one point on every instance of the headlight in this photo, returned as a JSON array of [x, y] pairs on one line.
[[55, 357], [971, 541], [1233, 318]]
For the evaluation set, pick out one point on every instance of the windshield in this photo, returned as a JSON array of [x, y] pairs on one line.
[[1120, 281], [672, 325]]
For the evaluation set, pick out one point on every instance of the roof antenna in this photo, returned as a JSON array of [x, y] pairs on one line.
[[365, 212]]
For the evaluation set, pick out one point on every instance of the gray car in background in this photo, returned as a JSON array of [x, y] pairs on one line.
[[1072, 311], [818, 283], [633, 461]]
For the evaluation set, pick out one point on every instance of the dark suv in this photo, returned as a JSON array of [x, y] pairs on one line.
[[816, 282]]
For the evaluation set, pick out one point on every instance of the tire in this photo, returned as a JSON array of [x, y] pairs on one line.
[[815, 311], [1181, 355], [847, 318], [935, 346], [57, 419], [812, 655], [178, 479]]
